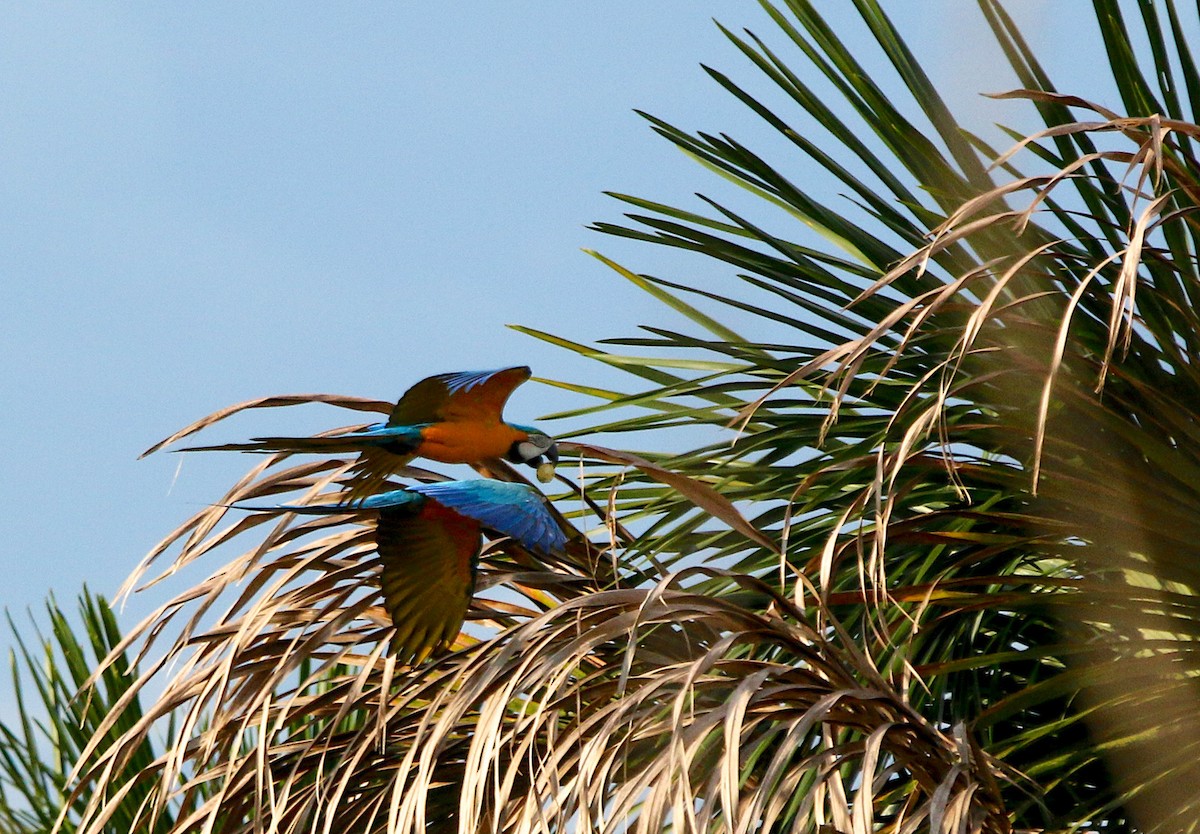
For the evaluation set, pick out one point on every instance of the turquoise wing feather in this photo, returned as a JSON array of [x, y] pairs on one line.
[[513, 510]]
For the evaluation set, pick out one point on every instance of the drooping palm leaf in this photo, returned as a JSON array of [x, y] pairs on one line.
[[283, 679]]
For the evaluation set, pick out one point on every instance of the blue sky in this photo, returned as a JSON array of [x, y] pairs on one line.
[[202, 203]]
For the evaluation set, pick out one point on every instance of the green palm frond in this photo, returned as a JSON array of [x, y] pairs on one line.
[[972, 420], [53, 723]]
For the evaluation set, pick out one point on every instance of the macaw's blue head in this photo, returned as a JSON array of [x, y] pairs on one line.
[[537, 449]]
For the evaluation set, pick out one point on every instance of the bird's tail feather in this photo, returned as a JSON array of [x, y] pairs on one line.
[[296, 445], [371, 472]]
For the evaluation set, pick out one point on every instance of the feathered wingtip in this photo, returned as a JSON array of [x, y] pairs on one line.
[[515, 510]]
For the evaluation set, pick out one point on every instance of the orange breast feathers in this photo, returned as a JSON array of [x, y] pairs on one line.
[[464, 441]]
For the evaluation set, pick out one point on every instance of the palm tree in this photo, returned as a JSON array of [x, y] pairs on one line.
[[965, 593], [44, 741]]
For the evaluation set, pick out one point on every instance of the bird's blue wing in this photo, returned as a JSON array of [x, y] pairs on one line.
[[428, 540], [514, 510]]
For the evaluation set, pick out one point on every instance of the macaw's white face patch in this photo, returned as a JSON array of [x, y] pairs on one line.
[[534, 445], [539, 451], [528, 449]]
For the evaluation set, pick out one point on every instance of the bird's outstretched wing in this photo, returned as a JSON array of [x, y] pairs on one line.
[[428, 540], [428, 561], [514, 510], [465, 395]]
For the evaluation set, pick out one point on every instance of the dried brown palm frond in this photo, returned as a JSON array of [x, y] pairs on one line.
[[636, 707], [641, 709], [586, 695]]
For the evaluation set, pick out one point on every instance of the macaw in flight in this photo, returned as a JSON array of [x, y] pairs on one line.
[[428, 539], [451, 418]]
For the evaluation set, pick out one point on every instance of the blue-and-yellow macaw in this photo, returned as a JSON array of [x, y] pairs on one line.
[[451, 418], [428, 539]]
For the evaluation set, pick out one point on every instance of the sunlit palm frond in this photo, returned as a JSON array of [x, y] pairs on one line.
[[610, 706], [617, 707]]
